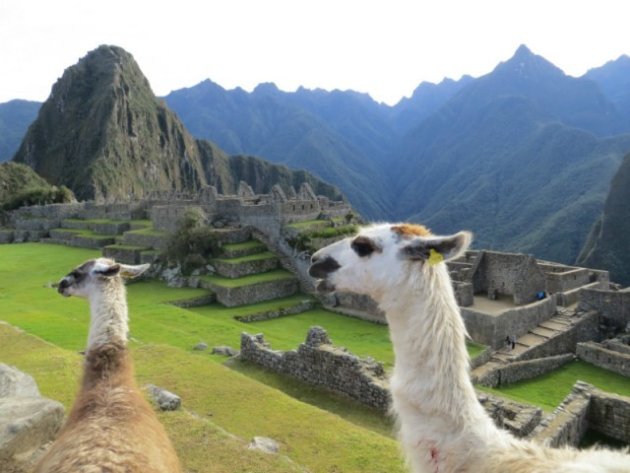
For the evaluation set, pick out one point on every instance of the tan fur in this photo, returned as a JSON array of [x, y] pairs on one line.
[[408, 230], [111, 427]]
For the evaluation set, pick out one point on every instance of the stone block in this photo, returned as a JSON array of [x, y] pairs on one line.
[[250, 294], [26, 424], [15, 383], [231, 269], [165, 400]]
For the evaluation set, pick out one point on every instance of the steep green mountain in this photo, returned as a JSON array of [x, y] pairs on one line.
[[613, 79], [339, 136], [515, 156], [608, 246], [20, 185], [15, 117], [105, 135]]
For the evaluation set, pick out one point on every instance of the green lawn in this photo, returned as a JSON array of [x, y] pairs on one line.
[[223, 408], [224, 405], [549, 390]]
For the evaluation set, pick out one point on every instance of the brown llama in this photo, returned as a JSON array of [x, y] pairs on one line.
[[111, 427]]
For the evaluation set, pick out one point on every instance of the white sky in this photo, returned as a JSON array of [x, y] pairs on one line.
[[384, 47]]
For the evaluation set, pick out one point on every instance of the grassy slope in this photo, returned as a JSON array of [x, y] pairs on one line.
[[217, 397], [241, 400]]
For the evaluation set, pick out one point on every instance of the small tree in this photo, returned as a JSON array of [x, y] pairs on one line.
[[192, 244]]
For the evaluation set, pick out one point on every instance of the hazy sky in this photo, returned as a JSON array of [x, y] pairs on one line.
[[385, 48]]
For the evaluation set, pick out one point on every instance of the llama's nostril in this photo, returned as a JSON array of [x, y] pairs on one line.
[[64, 283], [320, 268]]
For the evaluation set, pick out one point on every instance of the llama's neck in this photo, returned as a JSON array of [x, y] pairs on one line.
[[109, 319], [435, 401]]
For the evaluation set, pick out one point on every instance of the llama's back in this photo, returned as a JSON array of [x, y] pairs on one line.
[[101, 443], [111, 428]]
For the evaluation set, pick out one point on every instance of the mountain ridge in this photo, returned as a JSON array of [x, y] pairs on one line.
[[105, 135]]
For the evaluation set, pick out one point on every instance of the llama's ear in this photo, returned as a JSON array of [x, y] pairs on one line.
[[129, 272], [437, 249], [107, 270]]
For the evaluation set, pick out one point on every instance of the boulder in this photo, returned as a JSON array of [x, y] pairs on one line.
[[201, 346], [264, 444], [225, 351], [14, 383], [28, 421], [165, 400]]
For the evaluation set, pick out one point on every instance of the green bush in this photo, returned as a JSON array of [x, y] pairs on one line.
[[191, 244], [39, 196]]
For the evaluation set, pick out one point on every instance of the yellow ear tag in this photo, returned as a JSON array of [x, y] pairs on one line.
[[435, 257]]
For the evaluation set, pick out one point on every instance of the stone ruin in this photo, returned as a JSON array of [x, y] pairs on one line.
[[28, 421], [165, 209], [318, 362]]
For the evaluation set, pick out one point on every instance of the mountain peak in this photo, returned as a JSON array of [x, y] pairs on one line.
[[526, 65], [522, 52], [266, 88]]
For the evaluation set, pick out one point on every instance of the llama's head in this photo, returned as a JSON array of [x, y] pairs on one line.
[[383, 257], [94, 274]]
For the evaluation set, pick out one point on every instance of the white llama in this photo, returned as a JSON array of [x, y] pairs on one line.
[[443, 428], [111, 427]]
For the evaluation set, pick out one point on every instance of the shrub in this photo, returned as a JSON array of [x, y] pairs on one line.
[[191, 244], [39, 196]]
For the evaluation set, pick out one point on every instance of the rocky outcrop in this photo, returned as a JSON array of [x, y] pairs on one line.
[[28, 422]]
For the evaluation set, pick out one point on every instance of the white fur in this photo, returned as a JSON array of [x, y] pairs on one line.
[[109, 318], [443, 428]]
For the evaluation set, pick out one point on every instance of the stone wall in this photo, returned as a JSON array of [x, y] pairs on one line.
[[603, 357], [317, 362], [565, 281], [614, 306], [464, 293], [492, 329], [521, 370], [508, 274], [252, 293], [586, 407], [609, 414], [568, 422]]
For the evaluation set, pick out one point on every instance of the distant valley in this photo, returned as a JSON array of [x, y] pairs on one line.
[[522, 156]]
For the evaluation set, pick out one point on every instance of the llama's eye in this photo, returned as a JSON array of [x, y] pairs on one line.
[[363, 246]]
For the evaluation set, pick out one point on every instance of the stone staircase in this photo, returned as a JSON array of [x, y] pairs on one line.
[[541, 340], [139, 244], [540, 335], [246, 272]]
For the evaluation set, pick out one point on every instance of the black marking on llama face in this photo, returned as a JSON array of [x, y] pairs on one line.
[[364, 246]]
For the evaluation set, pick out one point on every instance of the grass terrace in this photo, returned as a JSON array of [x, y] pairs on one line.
[[547, 391], [276, 275], [245, 259]]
